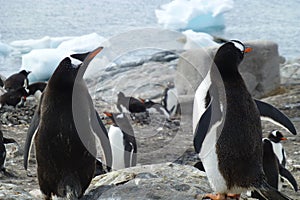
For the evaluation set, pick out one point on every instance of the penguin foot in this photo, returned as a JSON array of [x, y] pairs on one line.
[[212, 196]]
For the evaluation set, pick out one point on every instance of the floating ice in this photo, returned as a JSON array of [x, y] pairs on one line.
[[83, 43], [198, 40], [198, 15], [25, 46], [46, 53], [42, 63], [5, 49]]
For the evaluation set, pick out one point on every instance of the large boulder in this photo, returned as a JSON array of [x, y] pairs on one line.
[[260, 68]]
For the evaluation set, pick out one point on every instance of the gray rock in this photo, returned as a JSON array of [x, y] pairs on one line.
[[260, 68], [160, 181]]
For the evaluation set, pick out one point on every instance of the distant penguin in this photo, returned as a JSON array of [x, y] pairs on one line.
[[17, 81], [65, 166], [14, 97], [3, 141], [36, 89], [122, 141], [153, 107], [231, 154], [129, 104], [170, 99]]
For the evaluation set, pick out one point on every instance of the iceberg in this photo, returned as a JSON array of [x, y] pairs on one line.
[[198, 40], [45, 54], [25, 46], [197, 15], [42, 63], [5, 49]]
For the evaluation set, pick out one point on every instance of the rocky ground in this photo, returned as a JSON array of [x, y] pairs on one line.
[[159, 141]]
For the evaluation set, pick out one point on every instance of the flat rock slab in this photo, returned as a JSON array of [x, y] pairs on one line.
[[160, 181]]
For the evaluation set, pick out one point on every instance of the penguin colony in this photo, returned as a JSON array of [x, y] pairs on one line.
[[66, 166]]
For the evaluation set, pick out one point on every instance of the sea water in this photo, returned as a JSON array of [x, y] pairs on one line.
[[249, 20]]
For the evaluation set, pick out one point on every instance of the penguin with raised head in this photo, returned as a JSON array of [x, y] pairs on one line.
[[228, 131], [17, 80], [170, 99], [14, 97], [65, 128], [122, 141]]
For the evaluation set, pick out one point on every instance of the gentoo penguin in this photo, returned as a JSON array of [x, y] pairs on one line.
[[153, 107], [273, 169], [122, 141], [64, 128], [3, 141], [36, 89], [129, 104], [14, 97], [170, 99], [276, 137], [228, 134], [17, 81]]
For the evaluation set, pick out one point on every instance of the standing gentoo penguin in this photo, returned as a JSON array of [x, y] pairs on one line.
[[273, 169], [232, 153], [16, 81], [122, 141], [276, 137], [170, 99], [63, 127]]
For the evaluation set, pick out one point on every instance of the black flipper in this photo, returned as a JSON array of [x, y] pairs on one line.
[[202, 128], [269, 192], [269, 111], [288, 176], [30, 133], [102, 134]]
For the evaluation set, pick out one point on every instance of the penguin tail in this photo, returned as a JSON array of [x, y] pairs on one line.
[[269, 192], [69, 187]]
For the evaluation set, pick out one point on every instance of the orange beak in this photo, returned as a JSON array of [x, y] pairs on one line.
[[248, 49], [283, 138], [108, 114]]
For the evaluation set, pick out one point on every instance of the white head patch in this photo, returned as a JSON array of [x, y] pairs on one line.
[[274, 133], [238, 46]]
